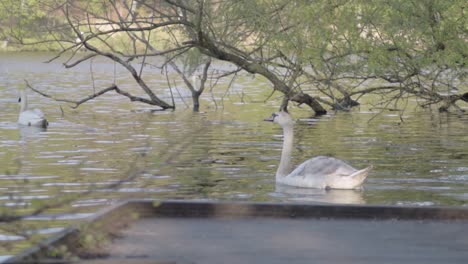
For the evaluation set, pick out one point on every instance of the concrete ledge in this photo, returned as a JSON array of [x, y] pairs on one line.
[[292, 210], [121, 216]]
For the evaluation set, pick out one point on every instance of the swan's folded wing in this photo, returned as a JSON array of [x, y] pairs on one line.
[[39, 113], [322, 166]]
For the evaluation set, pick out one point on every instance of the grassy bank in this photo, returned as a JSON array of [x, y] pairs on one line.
[[118, 41], [36, 47]]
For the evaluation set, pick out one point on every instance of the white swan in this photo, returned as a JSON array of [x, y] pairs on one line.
[[319, 172], [27, 117]]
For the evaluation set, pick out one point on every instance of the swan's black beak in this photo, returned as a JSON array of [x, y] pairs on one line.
[[271, 118]]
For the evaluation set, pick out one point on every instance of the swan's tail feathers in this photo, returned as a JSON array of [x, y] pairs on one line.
[[361, 175], [45, 123]]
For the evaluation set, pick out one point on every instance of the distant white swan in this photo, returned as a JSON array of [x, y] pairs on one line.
[[319, 172], [27, 117]]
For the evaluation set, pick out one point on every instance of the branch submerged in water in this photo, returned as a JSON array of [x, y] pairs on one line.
[[76, 104]]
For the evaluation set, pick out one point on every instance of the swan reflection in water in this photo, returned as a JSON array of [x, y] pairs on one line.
[[30, 133], [333, 196]]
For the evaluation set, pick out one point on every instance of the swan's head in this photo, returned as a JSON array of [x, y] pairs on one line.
[[282, 118]]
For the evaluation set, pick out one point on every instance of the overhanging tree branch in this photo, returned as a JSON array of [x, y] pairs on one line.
[[77, 103]]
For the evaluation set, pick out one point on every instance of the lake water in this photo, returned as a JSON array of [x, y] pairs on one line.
[[111, 149]]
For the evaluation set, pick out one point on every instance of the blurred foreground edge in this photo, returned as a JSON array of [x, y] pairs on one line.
[[121, 215]]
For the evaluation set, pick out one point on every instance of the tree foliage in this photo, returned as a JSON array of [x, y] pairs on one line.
[[20, 19], [331, 52]]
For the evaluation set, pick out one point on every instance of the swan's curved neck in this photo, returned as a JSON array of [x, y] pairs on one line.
[[24, 101], [284, 167]]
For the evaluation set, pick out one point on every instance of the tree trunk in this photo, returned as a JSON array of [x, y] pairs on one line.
[[303, 98], [207, 46], [196, 101]]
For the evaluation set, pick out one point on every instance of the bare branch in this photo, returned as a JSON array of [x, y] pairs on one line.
[[85, 58], [94, 95]]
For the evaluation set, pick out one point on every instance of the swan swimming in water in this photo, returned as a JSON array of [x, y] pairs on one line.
[[319, 172], [35, 118]]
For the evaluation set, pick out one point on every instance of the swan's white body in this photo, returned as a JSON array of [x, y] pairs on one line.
[[28, 117], [319, 172]]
